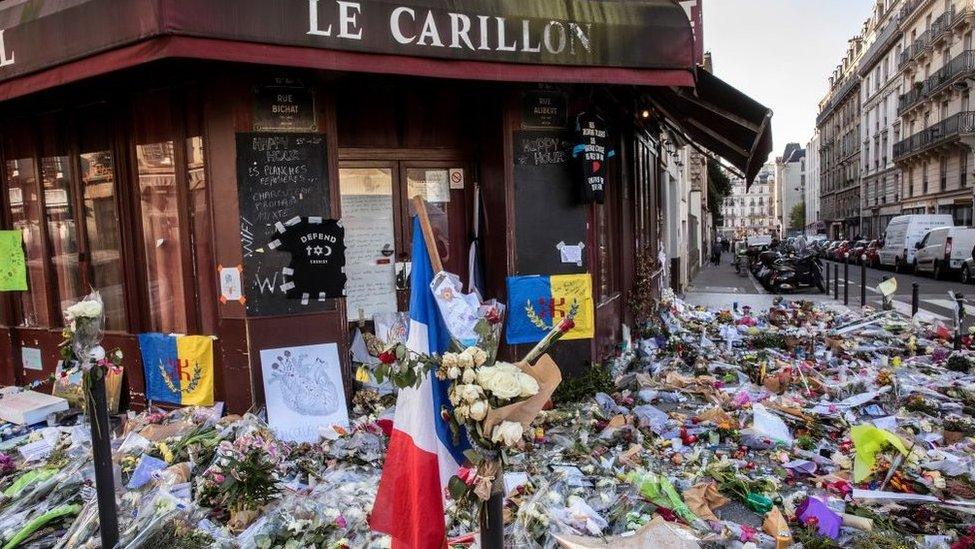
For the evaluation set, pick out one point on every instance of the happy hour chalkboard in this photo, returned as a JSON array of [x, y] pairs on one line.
[[547, 205], [279, 176]]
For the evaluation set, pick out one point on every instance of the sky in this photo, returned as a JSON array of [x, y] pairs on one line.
[[780, 53]]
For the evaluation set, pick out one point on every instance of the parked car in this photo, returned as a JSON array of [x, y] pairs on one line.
[[856, 250], [966, 272], [837, 254], [871, 252], [944, 250], [903, 232]]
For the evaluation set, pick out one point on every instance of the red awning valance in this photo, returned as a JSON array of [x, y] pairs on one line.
[[642, 42]]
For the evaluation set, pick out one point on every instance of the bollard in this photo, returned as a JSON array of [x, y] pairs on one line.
[[827, 273], [914, 298], [960, 314], [847, 263], [864, 281], [836, 276]]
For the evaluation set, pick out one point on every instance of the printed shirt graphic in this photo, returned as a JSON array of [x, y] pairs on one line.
[[318, 258], [538, 302], [178, 369], [592, 150]]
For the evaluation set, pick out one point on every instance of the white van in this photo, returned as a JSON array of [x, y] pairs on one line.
[[944, 250], [903, 232]]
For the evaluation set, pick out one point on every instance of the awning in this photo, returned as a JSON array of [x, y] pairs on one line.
[[721, 119], [45, 43]]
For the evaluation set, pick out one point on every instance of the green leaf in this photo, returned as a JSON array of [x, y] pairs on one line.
[[473, 456], [457, 488]]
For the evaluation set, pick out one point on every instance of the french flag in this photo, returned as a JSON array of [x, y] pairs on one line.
[[422, 454]]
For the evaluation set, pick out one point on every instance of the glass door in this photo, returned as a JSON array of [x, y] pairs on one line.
[[377, 213]]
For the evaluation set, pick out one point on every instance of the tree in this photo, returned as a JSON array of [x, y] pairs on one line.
[[719, 187], [798, 216]]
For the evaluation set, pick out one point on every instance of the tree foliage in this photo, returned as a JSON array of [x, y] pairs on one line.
[[719, 186], [798, 216]]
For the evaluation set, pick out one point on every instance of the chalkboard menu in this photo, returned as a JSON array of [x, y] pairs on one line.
[[279, 176], [285, 105], [547, 205]]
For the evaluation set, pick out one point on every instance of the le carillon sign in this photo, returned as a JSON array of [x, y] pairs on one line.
[[651, 34]]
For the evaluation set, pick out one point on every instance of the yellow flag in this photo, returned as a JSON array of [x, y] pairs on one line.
[[868, 441], [195, 354], [565, 290]]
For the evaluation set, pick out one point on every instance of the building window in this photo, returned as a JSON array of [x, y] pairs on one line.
[[943, 171], [963, 169], [925, 177]]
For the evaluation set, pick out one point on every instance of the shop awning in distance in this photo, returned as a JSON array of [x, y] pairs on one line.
[[721, 118], [45, 43]]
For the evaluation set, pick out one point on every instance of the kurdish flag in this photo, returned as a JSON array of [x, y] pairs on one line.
[[178, 369], [536, 303]]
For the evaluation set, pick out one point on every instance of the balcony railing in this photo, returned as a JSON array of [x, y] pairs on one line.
[[960, 65], [944, 130], [939, 27]]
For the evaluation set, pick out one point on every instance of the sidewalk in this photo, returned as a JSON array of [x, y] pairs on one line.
[[721, 287]]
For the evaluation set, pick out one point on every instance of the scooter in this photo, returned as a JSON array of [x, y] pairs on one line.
[[800, 272]]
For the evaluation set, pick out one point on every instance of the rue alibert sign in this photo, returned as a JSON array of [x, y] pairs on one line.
[[631, 34]]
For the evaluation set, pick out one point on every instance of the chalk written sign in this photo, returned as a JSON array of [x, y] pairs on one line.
[[543, 109], [279, 176], [284, 106], [542, 148]]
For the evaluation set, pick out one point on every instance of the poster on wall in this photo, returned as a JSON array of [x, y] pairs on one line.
[[13, 267], [318, 256], [539, 302], [370, 269], [280, 176], [303, 390]]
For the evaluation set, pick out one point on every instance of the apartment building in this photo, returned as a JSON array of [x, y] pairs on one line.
[[790, 180], [935, 147], [811, 187], [881, 85], [839, 124], [751, 211]]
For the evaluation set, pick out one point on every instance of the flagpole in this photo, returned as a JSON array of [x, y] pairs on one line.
[[420, 206]]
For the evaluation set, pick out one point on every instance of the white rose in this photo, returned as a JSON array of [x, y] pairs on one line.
[[453, 372], [528, 385], [505, 385], [486, 374], [465, 361], [508, 433], [478, 410], [84, 309], [507, 367], [470, 393], [455, 395], [469, 376], [478, 355], [449, 360], [461, 413]]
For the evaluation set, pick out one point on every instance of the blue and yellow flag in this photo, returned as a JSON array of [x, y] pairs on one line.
[[178, 369], [537, 302]]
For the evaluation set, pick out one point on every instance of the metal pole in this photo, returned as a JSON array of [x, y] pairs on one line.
[[847, 263], [914, 298], [864, 282], [827, 285], [960, 314], [492, 520], [108, 518], [836, 278]]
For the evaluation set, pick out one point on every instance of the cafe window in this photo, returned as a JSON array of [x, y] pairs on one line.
[[24, 203], [176, 253]]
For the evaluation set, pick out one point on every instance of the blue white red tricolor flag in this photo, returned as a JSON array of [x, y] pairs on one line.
[[422, 455]]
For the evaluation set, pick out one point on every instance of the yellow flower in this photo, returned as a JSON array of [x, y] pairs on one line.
[[362, 374], [167, 453]]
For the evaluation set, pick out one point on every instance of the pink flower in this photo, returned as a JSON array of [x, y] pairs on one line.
[[218, 478], [340, 521], [468, 475]]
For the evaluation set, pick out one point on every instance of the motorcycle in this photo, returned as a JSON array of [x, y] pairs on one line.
[[797, 273]]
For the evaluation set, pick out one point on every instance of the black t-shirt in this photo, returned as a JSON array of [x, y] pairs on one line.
[[318, 258], [593, 151]]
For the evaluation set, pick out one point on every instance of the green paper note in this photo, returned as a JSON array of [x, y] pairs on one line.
[[13, 267]]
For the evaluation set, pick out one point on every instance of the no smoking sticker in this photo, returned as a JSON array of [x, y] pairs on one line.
[[456, 176]]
